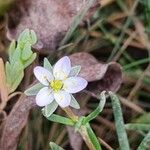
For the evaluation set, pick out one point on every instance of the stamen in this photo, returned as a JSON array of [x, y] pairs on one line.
[[56, 85]]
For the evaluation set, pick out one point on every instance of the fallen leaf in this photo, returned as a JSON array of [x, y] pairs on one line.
[[101, 76], [15, 122], [50, 19]]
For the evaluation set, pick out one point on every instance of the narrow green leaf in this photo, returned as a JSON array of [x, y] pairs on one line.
[[26, 52], [24, 37], [79, 123], [137, 126], [55, 146], [74, 103], [144, 118], [93, 137], [120, 127], [16, 57], [16, 76], [49, 109], [30, 60], [12, 48], [33, 37], [60, 119], [47, 65], [34, 89], [145, 144], [74, 71], [99, 108]]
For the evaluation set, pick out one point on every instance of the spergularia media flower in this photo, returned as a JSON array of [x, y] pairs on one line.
[[58, 84]]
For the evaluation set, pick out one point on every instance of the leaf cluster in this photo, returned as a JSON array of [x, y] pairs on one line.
[[20, 56]]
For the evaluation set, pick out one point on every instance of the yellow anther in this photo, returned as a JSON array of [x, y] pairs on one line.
[[56, 85]]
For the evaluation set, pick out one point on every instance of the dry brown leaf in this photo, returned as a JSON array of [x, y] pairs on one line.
[[15, 122], [3, 87], [99, 75], [50, 19]]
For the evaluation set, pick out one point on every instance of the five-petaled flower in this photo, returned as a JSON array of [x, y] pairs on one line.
[[58, 85]]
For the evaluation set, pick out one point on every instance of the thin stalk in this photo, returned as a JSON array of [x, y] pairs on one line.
[[83, 129]]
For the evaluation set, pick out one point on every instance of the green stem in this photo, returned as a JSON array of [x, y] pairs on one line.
[[86, 138], [84, 130]]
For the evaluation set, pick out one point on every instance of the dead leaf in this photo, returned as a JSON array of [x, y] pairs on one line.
[[99, 75], [50, 19], [15, 122], [3, 87]]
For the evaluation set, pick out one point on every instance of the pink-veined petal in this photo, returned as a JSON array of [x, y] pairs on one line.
[[62, 68], [44, 97], [43, 75], [62, 98], [74, 84]]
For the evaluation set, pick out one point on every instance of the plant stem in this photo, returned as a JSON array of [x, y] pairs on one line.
[[83, 129], [70, 114], [86, 138]]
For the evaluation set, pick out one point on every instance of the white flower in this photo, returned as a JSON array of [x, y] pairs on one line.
[[58, 85]]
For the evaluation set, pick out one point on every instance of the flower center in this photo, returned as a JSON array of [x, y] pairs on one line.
[[56, 85]]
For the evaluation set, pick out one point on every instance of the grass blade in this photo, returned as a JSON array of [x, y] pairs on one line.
[[100, 107], [137, 126], [122, 136], [60, 119], [145, 143], [55, 146], [77, 19]]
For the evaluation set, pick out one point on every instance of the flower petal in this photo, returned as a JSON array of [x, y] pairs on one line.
[[62, 68], [74, 84], [44, 97], [43, 75], [62, 98]]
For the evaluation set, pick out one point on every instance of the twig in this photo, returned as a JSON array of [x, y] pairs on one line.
[[105, 144]]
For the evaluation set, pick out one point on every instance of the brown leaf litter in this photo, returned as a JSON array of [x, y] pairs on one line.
[[50, 19]]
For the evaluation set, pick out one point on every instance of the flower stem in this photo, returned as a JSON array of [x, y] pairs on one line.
[[82, 130], [86, 138]]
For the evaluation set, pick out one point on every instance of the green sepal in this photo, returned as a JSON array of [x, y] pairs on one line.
[[49, 109], [34, 89], [47, 65], [74, 103], [75, 71]]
